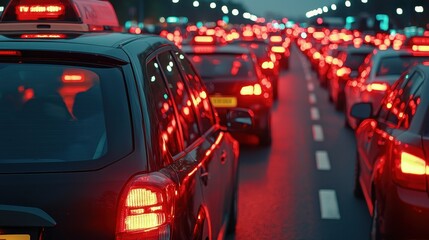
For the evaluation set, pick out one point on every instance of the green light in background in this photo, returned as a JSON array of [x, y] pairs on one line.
[[225, 19], [349, 21], [384, 21]]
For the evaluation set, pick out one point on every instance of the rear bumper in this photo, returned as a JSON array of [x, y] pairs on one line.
[[406, 214]]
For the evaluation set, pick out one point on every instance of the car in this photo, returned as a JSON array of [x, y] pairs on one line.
[[391, 161], [380, 70], [234, 80], [107, 135], [350, 59], [267, 60]]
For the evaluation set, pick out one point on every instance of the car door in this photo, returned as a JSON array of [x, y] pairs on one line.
[[219, 185]]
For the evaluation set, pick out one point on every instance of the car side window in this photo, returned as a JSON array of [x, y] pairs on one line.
[[182, 98], [161, 110], [199, 94], [399, 103], [411, 96], [390, 96]]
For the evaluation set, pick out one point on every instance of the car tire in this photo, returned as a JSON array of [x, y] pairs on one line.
[[357, 189], [265, 137], [375, 233]]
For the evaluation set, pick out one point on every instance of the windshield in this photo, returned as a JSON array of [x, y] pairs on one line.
[[224, 66], [398, 64], [54, 113]]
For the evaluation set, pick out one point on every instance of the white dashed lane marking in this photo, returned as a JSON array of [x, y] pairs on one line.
[[314, 113], [310, 87], [318, 133], [329, 204], [312, 98], [322, 161]]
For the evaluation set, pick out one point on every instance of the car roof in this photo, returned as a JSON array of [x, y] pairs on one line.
[[109, 44]]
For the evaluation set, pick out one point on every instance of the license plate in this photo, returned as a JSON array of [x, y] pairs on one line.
[[224, 101], [15, 237]]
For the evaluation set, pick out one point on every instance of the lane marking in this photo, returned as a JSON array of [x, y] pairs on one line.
[[322, 161], [312, 98], [318, 133], [310, 87], [314, 112], [329, 204]]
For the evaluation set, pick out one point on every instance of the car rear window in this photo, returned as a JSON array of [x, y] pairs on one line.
[[58, 113], [398, 64], [224, 66], [354, 60]]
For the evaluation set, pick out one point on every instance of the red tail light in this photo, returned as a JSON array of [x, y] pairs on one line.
[[204, 40], [410, 171], [343, 72], [276, 39], [146, 208], [251, 90], [10, 53], [382, 87], [267, 65], [278, 49]]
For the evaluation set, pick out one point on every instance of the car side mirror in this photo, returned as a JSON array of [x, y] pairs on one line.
[[361, 111], [239, 119]]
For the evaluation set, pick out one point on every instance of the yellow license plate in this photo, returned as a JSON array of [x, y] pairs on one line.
[[15, 237], [224, 101]]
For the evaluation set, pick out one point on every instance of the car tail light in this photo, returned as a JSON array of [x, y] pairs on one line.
[[410, 171], [267, 65], [276, 39], [382, 87], [251, 90], [10, 53], [278, 49], [146, 208], [204, 40], [343, 72]]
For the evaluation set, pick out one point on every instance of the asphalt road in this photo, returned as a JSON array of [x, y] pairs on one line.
[[301, 186]]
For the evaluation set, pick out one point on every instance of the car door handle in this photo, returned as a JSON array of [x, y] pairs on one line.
[[223, 157], [204, 176]]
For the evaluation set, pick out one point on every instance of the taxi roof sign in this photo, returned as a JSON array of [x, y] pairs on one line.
[[59, 15]]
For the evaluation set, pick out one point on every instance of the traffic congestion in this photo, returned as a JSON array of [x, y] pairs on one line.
[[162, 120]]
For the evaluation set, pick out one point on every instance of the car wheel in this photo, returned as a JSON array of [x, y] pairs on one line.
[[376, 233], [357, 189], [265, 138]]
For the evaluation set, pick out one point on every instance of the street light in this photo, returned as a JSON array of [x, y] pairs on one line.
[[419, 9], [399, 11], [364, 1], [235, 12], [348, 3], [334, 7], [175, 1], [225, 9], [325, 9], [213, 5], [246, 15]]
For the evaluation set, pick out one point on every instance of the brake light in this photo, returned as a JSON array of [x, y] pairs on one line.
[[267, 65], [343, 72], [420, 48], [43, 36], [376, 87], [146, 208], [278, 49], [73, 78], [276, 39], [204, 40], [9, 53], [410, 171], [251, 90]]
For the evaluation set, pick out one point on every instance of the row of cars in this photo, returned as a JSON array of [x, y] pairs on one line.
[[109, 135], [384, 92]]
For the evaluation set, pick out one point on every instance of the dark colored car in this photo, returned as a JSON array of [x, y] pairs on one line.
[[267, 61], [234, 80], [392, 158], [109, 136]]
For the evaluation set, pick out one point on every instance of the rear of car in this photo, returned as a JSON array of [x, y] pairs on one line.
[[350, 61], [107, 135], [234, 81], [377, 76], [392, 161]]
